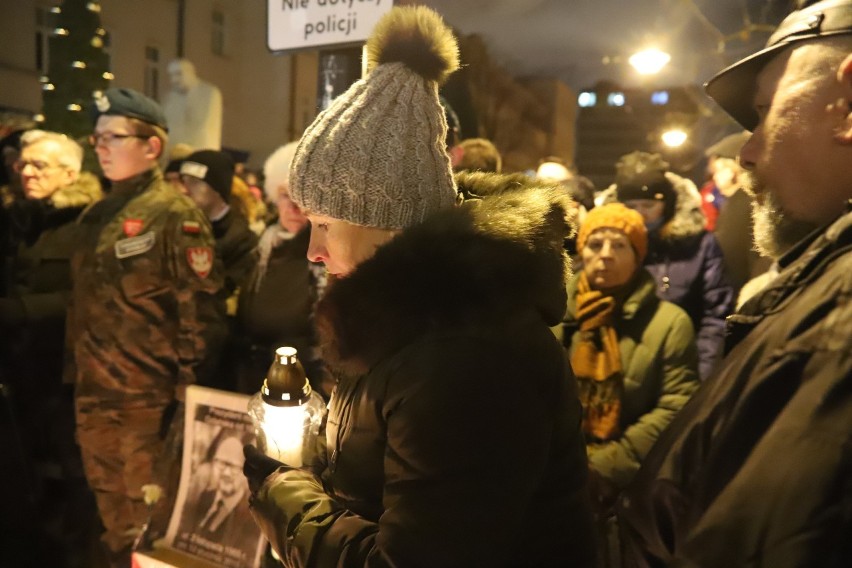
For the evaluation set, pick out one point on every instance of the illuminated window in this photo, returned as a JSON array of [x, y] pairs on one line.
[[615, 99], [587, 99], [660, 98]]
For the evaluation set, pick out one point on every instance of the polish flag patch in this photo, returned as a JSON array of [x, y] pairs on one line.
[[191, 227], [132, 227], [200, 260]]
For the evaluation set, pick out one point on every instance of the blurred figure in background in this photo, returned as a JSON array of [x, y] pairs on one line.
[[32, 325], [478, 155], [684, 259], [171, 173], [734, 226], [208, 176], [634, 356], [276, 304]]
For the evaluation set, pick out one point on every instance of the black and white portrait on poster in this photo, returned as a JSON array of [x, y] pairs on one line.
[[211, 518]]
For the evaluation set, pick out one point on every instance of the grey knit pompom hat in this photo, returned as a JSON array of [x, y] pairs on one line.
[[377, 156]]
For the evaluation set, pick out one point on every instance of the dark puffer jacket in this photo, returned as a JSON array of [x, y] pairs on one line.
[[454, 434], [756, 469], [688, 266]]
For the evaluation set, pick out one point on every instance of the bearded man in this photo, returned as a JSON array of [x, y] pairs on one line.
[[756, 468]]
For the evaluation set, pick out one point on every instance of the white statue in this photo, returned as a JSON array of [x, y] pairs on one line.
[[193, 108]]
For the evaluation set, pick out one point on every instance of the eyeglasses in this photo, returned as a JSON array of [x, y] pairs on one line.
[[110, 138], [37, 165]]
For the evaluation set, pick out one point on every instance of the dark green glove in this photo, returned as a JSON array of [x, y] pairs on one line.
[[258, 466]]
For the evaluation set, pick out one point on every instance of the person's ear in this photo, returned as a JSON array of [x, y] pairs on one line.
[[456, 155], [71, 176], [843, 106], [155, 148]]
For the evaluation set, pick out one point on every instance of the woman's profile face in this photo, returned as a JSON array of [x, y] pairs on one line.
[[609, 260], [341, 245]]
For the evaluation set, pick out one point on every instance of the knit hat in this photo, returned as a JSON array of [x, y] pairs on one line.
[[129, 103], [213, 167], [648, 184], [377, 157], [621, 218]]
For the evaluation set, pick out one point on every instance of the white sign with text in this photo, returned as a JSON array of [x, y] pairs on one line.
[[300, 24]]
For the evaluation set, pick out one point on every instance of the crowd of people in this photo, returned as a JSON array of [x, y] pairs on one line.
[[519, 370]]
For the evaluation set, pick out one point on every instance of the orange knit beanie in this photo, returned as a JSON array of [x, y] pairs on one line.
[[619, 217]]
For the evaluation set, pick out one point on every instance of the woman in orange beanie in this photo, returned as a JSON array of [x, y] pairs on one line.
[[634, 355]]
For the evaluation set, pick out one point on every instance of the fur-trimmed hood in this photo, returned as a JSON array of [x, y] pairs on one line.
[[470, 267], [688, 220], [82, 193], [30, 217]]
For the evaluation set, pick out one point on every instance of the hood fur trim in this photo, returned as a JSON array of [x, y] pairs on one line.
[[83, 192], [472, 266], [688, 220]]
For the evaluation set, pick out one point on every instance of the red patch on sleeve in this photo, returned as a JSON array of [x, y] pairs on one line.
[[132, 227], [200, 260]]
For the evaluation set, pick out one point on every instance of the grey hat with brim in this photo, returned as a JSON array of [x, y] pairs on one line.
[[733, 88]]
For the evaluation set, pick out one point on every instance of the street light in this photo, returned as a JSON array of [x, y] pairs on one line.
[[674, 138], [649, 61]]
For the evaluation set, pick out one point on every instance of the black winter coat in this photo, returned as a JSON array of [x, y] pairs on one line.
[[454, 435], [756, 469], [42, 232], [235, 247]]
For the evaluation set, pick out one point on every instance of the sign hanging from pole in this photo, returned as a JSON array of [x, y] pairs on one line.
[[302, 24]]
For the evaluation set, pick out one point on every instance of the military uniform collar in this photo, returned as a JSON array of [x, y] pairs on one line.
[[138, 183]]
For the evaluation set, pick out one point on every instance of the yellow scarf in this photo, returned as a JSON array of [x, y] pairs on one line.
[[597, 364]]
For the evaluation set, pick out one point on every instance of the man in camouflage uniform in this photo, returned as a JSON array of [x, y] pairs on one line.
[[146, 314]]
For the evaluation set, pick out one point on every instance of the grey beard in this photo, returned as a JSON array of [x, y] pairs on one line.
[[774, 231]]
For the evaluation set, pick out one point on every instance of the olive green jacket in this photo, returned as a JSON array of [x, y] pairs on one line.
[[660, 362]]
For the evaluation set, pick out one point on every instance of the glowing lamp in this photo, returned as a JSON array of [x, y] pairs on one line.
[[674, 138], [649, 61], [286, 412]]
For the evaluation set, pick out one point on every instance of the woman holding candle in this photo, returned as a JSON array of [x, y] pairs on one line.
[[455, 406]]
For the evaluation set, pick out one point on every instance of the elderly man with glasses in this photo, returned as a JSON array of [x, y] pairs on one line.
[[40, 232], [147, 314]]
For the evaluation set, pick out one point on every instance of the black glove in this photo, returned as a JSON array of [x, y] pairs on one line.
[[258, 466]]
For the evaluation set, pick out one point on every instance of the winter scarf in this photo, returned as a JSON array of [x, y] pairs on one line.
[[597, 363]]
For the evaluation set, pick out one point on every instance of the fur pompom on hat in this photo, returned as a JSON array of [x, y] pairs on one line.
[[621, 218], [377, 156]]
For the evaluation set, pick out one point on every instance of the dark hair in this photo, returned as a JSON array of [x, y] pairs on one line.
[[480, 155]]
